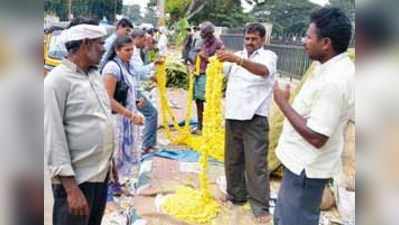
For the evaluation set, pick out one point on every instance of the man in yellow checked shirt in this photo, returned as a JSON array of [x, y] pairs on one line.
[[251, 75]]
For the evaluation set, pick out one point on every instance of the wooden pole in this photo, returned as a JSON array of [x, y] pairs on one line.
[[161, 11], [69, 9]]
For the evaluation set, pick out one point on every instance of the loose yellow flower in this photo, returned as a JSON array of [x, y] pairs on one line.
[[190, 206]]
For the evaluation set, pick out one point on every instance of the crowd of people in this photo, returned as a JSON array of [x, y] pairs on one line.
[[95, 107]]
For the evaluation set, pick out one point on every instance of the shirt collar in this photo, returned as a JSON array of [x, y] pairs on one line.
[[333, 60], [253, 53], [69, 64]]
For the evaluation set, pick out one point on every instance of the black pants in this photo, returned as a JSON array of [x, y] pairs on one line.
[[246, 163], [299, 200], [96, 196], [200, 113]]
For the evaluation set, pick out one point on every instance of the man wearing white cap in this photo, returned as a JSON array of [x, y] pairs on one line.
[[78, 132]]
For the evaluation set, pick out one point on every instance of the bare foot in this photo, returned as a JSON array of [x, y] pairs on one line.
[[227, 199], [223, 198], [148, 150]]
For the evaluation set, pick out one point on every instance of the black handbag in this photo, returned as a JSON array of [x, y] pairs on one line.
[[121, 89]]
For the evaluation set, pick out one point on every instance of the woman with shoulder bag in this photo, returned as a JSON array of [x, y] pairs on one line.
[[121, 87]]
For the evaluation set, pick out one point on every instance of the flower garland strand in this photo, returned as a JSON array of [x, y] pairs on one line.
[[188, 204]]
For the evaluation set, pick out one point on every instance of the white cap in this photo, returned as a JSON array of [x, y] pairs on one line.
[[83, 31]]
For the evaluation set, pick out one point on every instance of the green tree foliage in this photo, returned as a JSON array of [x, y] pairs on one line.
[[150, 16], [288, 16], [90, 8], [181, 32], [227, 13], [221, 12], [57, 7], [348, 6], [133, 12], [177, 9]]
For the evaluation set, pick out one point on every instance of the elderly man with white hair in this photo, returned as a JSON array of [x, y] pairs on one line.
[[78, 132]]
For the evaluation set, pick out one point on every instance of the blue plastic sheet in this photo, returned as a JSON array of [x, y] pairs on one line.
[[180, 155]]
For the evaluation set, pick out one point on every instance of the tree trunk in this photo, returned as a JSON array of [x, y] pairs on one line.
[[195, 7]]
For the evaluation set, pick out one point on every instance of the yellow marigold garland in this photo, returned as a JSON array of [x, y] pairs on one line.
[[213, 135], [212, 115], [188, 204], [197, 69]]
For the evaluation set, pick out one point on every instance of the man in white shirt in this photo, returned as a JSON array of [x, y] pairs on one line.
[[144, 72], [248, 100], [123, 28], [78, 130], [163, 41], [312, 140]]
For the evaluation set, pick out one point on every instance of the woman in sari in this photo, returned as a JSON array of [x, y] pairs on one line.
[[121, 87]]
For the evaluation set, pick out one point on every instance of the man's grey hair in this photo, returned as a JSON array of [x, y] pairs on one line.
[[207, 27], [137, 33]]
